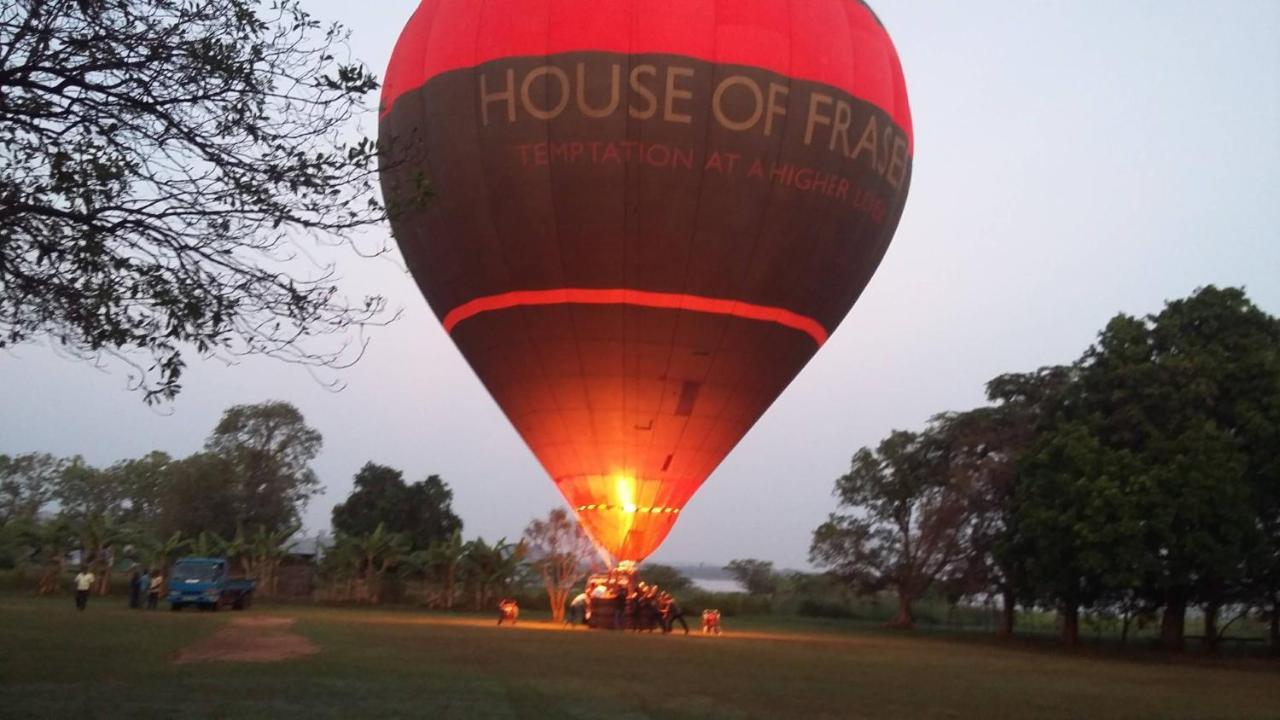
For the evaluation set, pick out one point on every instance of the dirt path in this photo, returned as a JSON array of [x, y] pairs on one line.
[[251, 639]]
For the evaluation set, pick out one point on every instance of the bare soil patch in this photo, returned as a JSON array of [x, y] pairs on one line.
[[250, 639]]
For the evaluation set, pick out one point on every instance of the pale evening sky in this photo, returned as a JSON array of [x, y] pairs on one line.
[[1073, 160]]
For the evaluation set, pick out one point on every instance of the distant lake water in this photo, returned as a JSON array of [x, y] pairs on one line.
[[724, 585]]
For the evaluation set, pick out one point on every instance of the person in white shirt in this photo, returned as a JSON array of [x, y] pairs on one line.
[[84, 583], [153, 593]]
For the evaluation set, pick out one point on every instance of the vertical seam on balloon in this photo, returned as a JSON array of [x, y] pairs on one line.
[[720, 417], [693, 231], [560, 252], [627, 227], [532, 357]]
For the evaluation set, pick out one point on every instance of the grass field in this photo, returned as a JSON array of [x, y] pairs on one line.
[[111, 662]]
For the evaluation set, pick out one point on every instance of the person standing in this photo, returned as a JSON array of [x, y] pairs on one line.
[[135, 589], [84, 582], [672, 614], [577, 610], [153, 590]]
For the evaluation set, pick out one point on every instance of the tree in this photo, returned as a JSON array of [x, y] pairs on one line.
[[562, 553], [1150, 473], [269, 448], [757, 576], [443, 562], [490, 569], [49, 541], [983, 448], [141, 483], [85, 491], [163, 550], [264, 552], [100, 537], [904, 523], [198, 496], [666, 577], [160, 161], [423, 511], [1071, 526], [379, 551], [27, 485]]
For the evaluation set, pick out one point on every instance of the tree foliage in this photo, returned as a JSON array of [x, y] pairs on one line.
[[162, 165], [249, 485], [422, 511], [903, 524], [756, 576], [27, 484], [1141, 479], [562, 553], [1150, 472], [268, 448]]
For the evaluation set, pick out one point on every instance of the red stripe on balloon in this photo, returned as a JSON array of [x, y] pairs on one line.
[[839, 43], [637, 298]]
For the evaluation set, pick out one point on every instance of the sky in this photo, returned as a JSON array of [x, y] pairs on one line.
[[1073, 160]]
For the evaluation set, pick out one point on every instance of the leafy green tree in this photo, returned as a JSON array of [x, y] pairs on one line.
[[756, 576], [49, 541], [141, 483], [268, 448], [562, 553], [207, 544], [27, 485], [666, 577], [491, 569], [1150, 474], [422, 511], [1071, 527], [444, 561], [903, 524], [101, 539], [197, 497], [380, 551], [158, 159], [265, 551], [85, 491], [162, 550], [983, 447]]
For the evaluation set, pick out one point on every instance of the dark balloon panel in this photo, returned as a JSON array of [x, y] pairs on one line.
[[645, 217]]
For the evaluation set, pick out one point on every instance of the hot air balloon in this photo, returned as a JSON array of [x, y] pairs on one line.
[[645, 217]]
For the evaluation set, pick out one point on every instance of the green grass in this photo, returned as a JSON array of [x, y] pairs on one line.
[[110, 662]]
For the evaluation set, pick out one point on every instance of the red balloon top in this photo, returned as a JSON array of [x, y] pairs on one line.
[[840, 43]]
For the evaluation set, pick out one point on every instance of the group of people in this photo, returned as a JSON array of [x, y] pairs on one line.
[[619, 604], [142, 582]]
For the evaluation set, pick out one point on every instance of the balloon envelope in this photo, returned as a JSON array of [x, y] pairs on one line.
[[645, 217]]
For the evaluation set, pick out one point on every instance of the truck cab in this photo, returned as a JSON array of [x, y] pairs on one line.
[[206, 583]]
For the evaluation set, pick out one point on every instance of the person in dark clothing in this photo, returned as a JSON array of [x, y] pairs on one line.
[[135, 589], [671, 613]]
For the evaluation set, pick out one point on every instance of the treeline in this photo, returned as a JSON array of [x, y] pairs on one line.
[[401, 542], [1140, 482], [241, 496]]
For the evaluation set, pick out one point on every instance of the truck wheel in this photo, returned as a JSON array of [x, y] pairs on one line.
[[246, 600], [175, 607]]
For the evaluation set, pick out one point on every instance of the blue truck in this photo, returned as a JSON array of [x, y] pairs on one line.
[[207, 583]]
